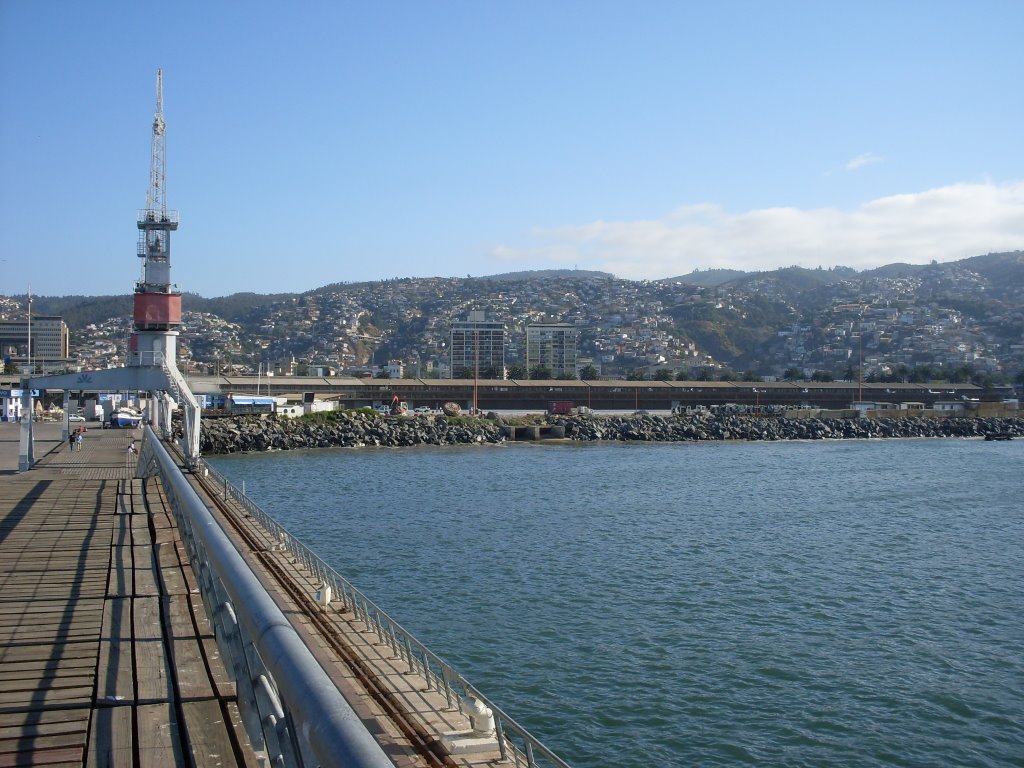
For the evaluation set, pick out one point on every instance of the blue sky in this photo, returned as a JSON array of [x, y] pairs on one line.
[[318, 142]]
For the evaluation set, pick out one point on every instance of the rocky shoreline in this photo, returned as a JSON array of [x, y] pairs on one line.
[[244, 434]]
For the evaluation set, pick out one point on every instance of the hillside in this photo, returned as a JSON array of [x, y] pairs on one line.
[[963, 314]]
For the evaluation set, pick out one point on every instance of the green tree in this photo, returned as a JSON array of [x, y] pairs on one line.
[[793, 374], [960, 374], [822, 376], [663, 374], [566, 376], [683, 375], [383, 373], [922, 374], [540, 372], [491, 371], [637, 374], [465, 372], [589, 373], [517, 372], [982, 379], [11, 368], [750, 375]]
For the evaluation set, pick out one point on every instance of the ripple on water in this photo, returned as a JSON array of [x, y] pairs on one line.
[[846, 604]]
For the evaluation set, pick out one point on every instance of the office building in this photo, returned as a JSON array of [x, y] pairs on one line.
[[552, 346], [477, 347]]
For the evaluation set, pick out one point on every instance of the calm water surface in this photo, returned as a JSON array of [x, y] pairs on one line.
[[841, 603]]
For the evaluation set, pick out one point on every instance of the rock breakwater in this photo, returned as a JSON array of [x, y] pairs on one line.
[[242, 434]]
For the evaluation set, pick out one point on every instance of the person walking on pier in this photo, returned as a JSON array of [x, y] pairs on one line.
[[79, 439], [131, 453]]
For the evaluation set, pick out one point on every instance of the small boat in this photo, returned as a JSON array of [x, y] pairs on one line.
[[999, 436], [125, 418]]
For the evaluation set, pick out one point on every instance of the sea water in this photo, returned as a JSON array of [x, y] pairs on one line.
[[848, 603]]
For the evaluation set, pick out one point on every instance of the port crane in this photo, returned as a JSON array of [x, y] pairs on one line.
[[151, 360]]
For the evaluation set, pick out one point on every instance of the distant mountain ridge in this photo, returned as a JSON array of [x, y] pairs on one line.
[[1002, 270]]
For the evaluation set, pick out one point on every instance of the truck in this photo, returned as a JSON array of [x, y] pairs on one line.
[[560, 407]]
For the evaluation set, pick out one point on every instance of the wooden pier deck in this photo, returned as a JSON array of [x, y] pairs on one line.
[[106, 655]]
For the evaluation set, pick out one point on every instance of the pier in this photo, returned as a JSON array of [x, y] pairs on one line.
[[107, 656], [110, 652]]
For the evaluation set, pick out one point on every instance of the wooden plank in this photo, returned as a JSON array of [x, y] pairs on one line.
[[190, 670], [153, 674], [44, 608], [162, 520], [179, 616], [143, 557], [29, 746], [145, 582], [200, 616], [146, 619], [165, 535], [46, 723], [117, 619], [54, 758], [173, 581], [207, 732], [111, 739], [122, 531], [82, 678], [241, 738], [120, 578], [49, 635], [115, 679], [141, 535], [41, 668], [18, 653], [44, 698], [223, 685], [159, 743]]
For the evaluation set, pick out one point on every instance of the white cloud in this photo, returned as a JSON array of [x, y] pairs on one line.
[[944, 224], [868, 158]]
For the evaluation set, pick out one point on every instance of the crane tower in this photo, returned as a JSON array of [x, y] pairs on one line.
[[152, 367], [157, 311]]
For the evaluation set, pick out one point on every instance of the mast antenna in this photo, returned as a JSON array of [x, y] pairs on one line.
[[155, 200]]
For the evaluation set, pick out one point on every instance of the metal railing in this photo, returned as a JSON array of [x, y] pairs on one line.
[[293, 713], [515, 743], [150, 216], [145, 358]]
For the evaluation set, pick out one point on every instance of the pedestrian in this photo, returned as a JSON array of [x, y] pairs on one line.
[[71, 441], [131, 453], [78, 440]]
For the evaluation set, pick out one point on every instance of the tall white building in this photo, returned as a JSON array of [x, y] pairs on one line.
[[552, 346], [478, 345]]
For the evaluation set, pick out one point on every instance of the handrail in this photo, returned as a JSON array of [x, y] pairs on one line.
[[321, 718], [145, 358], [514, 741]]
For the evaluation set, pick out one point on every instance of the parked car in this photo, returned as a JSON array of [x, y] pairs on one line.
[[76, 417], [423, 409]]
